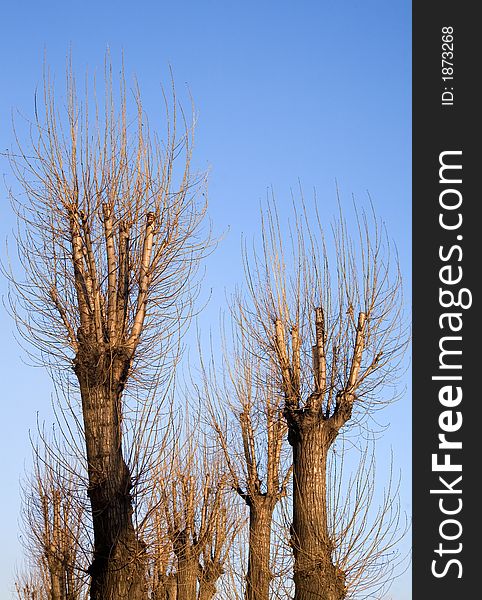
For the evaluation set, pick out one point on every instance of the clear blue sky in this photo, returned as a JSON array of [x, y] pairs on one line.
[[311, 90]]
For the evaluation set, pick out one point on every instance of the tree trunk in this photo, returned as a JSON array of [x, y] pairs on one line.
[[315, 575], [187, 576], [210, 573], [166, 588], [55, 567], [56, 588], [207, 590], [118, 566], [259, 575], [171, 588]]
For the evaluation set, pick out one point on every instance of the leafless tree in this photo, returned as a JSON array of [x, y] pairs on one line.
[[190, 521], [246, 412], [54, 526], [329, 319], [31, 586], [109, 240]]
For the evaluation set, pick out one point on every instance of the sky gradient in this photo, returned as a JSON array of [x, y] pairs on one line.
[[317, 92]]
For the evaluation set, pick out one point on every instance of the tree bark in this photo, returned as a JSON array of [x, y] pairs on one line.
[[187, 576], [210, 573], [118, 566], [315, 575], [56, 587], [259, 574], [166, 588], [207, 590]]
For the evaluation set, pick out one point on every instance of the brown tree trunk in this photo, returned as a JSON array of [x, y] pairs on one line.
[[51, 513], [166, 588], [118, 567], [210, 573], [207, 590], [259, 574], [56, 587], [171, 588], [187, 576], [315, 575]]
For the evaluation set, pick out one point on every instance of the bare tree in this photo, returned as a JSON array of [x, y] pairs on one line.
[[54, 526], [186, 525], [31, 586], [162, 580], [191, 519], [247, 417], [109, 242], [335, 336]]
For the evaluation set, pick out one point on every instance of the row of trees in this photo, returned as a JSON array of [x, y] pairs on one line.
[[135, 499]]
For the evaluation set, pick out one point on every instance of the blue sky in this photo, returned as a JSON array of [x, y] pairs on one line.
[[317, 91]]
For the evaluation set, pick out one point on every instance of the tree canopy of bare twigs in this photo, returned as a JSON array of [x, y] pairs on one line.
[[365, 521], [55, 529], [109, 240], [192, 524], [246, 414], [325, 320], [109, 232]]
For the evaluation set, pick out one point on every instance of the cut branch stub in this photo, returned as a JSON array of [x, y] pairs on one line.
[[284, 363], [111, 272], [319, 354], [122, 303], [295, 348], [144, 280], [357, 355]]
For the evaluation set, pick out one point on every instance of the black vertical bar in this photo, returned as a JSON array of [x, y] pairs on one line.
[[447, 261]]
